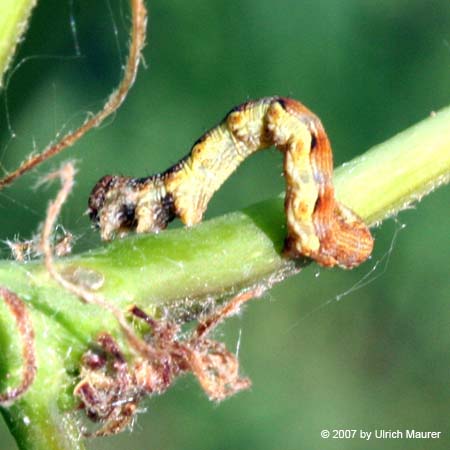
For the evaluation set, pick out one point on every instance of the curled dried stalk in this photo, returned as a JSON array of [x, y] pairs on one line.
[[66, 174], [138, 33], [25, 328]]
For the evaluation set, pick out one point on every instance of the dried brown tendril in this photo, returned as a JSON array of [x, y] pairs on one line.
[[25, 328], [66, 174], [138, 32]]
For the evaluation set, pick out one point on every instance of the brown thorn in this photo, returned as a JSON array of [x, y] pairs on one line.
[[141, 314], [26, 331], [139, 23]]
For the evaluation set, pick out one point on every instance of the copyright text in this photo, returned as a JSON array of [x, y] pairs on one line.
[[368, 435]]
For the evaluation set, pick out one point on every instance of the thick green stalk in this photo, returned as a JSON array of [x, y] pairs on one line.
[[14, 16], [398, 172], [178, 269]]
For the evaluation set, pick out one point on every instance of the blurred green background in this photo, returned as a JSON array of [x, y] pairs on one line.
[[321, 354]]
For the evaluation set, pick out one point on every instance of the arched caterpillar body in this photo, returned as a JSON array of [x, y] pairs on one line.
[[319, 227]]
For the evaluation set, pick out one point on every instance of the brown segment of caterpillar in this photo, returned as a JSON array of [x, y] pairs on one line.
[[319, 227]]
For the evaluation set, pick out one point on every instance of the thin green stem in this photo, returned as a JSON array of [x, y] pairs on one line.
[[14, 16], [178, 269]]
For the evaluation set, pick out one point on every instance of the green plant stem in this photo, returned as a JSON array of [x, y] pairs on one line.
[[178, 269], [398, 172], [14, 16]]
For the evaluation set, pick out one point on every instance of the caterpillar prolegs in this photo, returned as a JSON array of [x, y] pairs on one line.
[[318, 226]]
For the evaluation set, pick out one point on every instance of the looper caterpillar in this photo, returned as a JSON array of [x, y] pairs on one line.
[[319, 227]]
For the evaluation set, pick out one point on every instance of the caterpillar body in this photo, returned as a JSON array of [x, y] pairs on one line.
[[318, 226]]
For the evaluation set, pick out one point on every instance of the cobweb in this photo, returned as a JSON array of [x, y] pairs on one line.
[[374, 269]]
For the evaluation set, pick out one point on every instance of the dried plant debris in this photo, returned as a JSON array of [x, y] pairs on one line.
[[29, 249], [111, 388]]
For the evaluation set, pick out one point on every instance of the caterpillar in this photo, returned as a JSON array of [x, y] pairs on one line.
[[318, 226]]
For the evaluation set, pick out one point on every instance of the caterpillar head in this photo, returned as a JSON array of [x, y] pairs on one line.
[[118, 205]]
